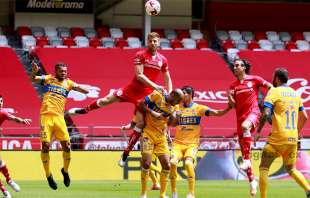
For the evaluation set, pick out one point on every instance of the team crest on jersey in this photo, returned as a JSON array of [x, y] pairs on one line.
[[250, 84]]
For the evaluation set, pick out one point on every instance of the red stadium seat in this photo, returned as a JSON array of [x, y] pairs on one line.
[[160, 32], [175, 43], [289, 45], [202, 43], [182, 34], [260, 35], [76, 31], [297, 36], [129, 32], [42, 41], [227, 44], [23, 30], [121, 43], [94, 42], [253, 45], [68, 41]]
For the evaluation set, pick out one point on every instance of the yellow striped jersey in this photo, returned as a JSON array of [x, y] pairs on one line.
[[55, 94], [285, 105], [188, 125]]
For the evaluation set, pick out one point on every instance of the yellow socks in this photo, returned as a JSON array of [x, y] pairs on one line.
[[45, 158], [300, 179], [173, 178], [144, 178], [263, 182], [189, 166], [67, 158], [163, 181], [153, 177]]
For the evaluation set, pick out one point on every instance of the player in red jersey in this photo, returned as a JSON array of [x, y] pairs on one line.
[[149, 63], [4, 115], [244, 96]]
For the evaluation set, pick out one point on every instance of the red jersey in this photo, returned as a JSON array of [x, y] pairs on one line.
[[152, 66], [4, 115], [245, 93]]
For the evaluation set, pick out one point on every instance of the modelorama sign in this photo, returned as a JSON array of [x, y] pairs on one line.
[[59, 6]]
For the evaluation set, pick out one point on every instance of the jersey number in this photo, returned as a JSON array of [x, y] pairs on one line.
[[290, 118]]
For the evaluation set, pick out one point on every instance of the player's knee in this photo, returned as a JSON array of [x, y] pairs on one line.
[[146, 164], [66, 147], [245, 126], [45, 147], [166, 165], [174, 161], [290, 169]]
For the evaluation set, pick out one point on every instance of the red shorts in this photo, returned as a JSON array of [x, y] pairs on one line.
[[252, 117], [133, 94]]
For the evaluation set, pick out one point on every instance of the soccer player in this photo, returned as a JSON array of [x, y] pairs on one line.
[[244, 96], [283, 104], [148, 65], [186, 141], [154, 139], [4, 115], [52, 117], [153, 169]]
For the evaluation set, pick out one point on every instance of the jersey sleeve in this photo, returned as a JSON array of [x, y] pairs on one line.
[[46, 79], [301, 105], [139, 58], [271, 98], [260, 81], [72, 84], [152, 98], [203, 110]]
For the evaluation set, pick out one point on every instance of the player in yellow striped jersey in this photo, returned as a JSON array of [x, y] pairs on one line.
[[56, 90], [288, 118], [187, 137], [154, 138]]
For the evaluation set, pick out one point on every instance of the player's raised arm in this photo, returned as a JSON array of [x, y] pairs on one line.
[[303, 117], [220, 112], [80, 89], [34, 77], [19, 120]]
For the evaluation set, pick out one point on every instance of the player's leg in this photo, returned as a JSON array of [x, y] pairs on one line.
[[47, 128], [164, 161], [152, 174], [5, 192], [269, 154], [176, 155], [289, 155], [147, 147], [63, 137], [108, 99], [134, 136], [190, 155], [4, 170]]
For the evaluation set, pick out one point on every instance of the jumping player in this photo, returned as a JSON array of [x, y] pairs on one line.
[[244, 96], [149, 63]]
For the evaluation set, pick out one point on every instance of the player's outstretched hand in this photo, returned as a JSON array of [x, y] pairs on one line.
[[27, 121]]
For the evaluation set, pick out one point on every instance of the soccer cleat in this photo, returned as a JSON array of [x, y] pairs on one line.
[[66, 177], [174, 195], [155, 187], [189, 195], [308, 194], [123, 159], [75, 111], [253, 187], [51, 182], [6, 194], [246, 164], [14, 185]]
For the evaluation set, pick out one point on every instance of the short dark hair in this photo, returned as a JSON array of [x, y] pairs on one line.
[[246, 64], [60, 64], [188, 89], [282, 74], [1, 96]]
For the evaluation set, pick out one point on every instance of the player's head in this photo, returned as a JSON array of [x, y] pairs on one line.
[[241, 66], [60, 71], [175, 97], [1, 101], [280, 76], [153, 41], [188, 93]]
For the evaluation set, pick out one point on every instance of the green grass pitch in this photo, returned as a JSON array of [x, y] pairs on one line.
[[130, 189]]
